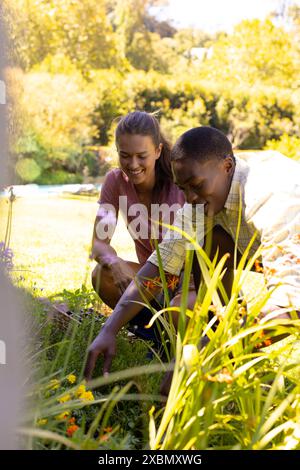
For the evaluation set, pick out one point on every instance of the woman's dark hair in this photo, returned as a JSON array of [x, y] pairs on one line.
[[142, 123]]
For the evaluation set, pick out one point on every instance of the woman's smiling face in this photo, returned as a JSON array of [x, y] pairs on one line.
[[137, 156], [205, 183]]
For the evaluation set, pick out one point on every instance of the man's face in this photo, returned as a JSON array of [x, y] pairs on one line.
[[205, 183]]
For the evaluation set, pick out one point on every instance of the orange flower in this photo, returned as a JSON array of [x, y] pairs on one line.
[[172, 282], [105, 436], [265, 342], [152, 283], [296, 238], [71, 429], [258, 266], [270, 271], [261, 334], [72, 420], [108, 429]]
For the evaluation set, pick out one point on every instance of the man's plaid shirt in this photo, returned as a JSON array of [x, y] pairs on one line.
[[268, 186]]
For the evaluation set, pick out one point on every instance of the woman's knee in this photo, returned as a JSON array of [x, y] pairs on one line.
[[100, 277], [176, 301], [103, 285]]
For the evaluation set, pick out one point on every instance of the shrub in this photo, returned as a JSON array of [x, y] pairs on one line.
[[28, 170], [289, 145], [59, 177]]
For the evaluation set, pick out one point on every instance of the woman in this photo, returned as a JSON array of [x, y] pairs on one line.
[[144, 178]]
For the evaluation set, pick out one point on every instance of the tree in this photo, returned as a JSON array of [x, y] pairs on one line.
[[163, 28], [54, 119], [257, 51], [79, 30]]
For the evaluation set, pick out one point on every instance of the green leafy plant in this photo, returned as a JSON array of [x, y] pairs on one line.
[[229, 392]]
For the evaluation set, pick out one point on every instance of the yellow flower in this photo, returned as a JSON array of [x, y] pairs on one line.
[[42, 422], [87, 396], [71, 378], [62, 416], [54, 384], [80, 390], [221, 377], [65, 398]]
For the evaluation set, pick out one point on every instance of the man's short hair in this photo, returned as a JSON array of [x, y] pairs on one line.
[[202, 144]]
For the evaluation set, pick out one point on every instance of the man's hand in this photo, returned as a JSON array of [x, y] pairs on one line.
[[104, 343]]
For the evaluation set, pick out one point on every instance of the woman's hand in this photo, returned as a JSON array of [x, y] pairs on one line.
[[104, 343], [119, 270], [121, 273]]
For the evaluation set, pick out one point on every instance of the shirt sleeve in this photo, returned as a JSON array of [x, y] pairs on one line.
[[174, 245], [109, 191], [108, 207], [281, 249]]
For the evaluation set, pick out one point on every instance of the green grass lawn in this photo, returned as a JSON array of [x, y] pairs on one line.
[[51, 239]]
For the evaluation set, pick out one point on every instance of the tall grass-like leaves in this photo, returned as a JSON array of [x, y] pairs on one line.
[[228, 395]]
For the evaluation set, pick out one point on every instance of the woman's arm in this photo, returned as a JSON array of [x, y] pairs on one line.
[[107, 257], [106, 221], [102, 251]]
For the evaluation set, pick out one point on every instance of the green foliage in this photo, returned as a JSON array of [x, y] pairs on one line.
[[59, 177], [112, 100], [289, 145], [82, 64], [257, 51], [79, 30], [63, 114], [104, 420], [230, 389], [59, 107], [93, 163], [28, 170], [232, 393], [54, 122]]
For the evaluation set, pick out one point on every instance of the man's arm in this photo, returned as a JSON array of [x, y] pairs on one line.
[[125, 310]]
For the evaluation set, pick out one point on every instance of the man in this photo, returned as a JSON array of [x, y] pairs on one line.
[[267, 188]]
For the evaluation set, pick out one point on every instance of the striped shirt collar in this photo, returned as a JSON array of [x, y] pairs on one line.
[[238, 179]]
